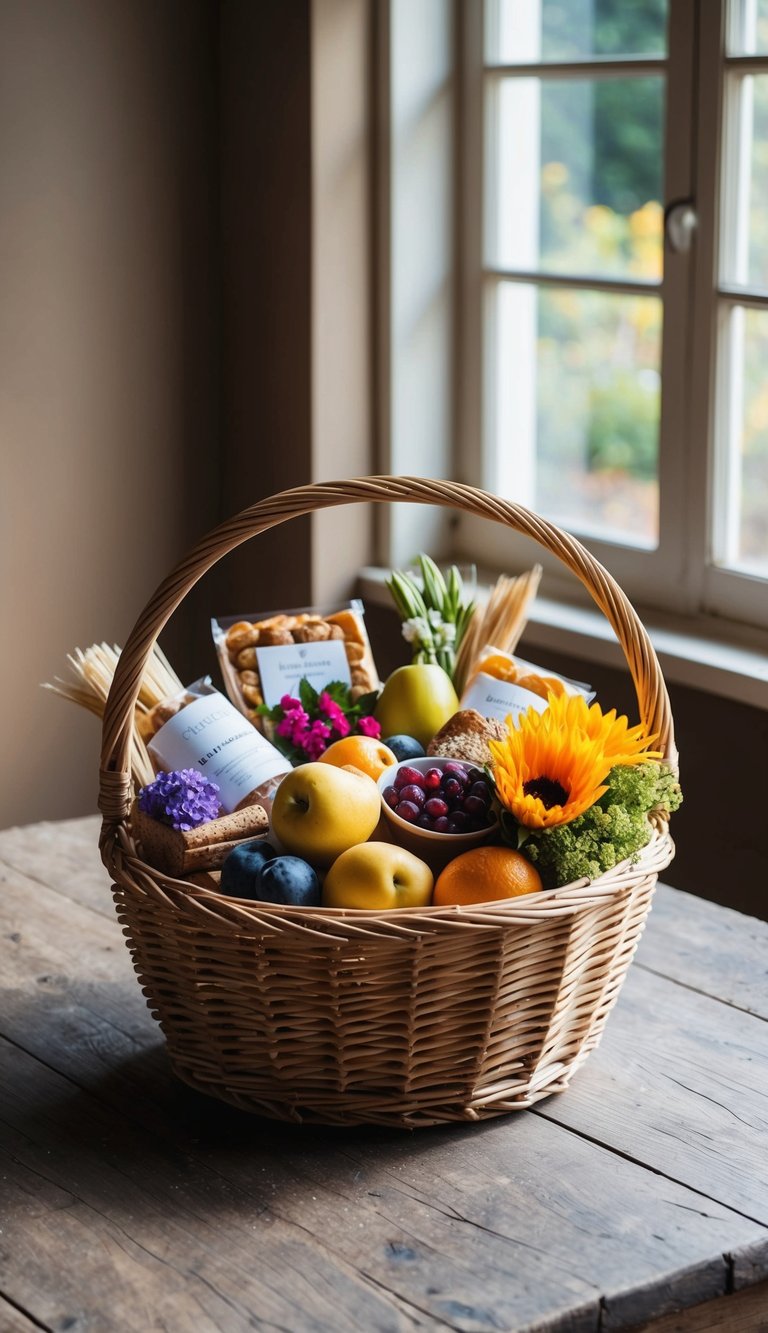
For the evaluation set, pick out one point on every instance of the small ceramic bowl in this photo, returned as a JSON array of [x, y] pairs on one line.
[[437, 849]]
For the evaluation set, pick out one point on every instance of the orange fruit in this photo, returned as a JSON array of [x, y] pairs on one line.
[[485, 874], [363, 752]]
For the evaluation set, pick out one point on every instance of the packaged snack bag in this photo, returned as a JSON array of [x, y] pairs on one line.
[[501, 685], [264, 656], [201, 729]]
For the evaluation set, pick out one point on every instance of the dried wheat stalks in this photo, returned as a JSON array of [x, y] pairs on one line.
[[500, 622], [92, 672]]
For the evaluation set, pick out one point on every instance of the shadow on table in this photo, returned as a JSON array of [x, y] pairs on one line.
[[140, 1101]]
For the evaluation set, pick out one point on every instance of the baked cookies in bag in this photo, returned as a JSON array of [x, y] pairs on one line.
[[264, 656]]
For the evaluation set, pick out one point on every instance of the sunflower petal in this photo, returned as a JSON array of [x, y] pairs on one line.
[[569, 745]]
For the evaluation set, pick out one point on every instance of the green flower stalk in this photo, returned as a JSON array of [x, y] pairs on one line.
[[434, 615]]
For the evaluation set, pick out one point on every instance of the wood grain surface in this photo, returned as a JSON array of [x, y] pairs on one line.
[[127, 1202]]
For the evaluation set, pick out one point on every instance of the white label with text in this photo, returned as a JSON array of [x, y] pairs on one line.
[[499, 698], [281, 667], [213, 737]]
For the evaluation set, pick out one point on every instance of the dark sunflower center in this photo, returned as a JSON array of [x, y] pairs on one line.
[[549, 791]]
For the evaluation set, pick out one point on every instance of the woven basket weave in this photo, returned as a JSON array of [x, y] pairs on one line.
[[411, 1017]]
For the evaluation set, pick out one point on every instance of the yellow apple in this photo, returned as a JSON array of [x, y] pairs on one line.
[[320, 810], [416, 701], [378, 875]]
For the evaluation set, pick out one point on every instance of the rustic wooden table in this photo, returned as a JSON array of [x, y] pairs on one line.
[[128, 1202]]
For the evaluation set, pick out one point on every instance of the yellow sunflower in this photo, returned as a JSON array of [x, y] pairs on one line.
[[622, 743], [552, 766]]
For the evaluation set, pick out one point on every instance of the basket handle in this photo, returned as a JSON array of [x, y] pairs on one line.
[[653, 701]]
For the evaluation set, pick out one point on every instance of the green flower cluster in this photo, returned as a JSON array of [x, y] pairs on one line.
[[434, 613], [615, 828]]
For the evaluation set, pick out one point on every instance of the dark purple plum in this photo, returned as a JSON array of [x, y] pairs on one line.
[[253, 870], [404, 747], [243, 867], [290, 881]]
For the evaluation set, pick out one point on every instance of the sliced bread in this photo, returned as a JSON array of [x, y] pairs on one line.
[[466, 736]]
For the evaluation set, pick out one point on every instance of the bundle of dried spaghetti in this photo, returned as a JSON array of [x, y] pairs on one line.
[[500, 622], [92, 671]]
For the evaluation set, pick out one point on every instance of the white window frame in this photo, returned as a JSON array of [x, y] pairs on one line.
[[652, 577], [678, 578], [724, 592]]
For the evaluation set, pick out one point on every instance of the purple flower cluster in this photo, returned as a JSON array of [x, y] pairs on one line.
[[183, 799], [312, 736]]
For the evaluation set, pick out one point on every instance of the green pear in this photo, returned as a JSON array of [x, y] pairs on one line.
[[417, 700]]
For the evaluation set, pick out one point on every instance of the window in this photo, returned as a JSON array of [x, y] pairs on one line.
[[613, 344]]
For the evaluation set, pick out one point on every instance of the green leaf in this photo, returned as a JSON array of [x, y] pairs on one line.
[[404, 593], [282, 744], [509, 828], [434, 583], [462, 622], [339, 693], [453, 600], [400, 596], [364, 706], [418, 602], [307, 695]]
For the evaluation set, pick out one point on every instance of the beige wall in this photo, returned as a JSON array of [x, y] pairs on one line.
[[184, 328], [342, 371], [105, 407]]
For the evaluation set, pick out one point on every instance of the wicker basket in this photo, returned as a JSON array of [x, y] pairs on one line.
[[411, 1017]]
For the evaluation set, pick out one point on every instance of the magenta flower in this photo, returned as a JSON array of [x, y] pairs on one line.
[[368, 726], [304, 727], [315, 740], [295, 719], [337, 719]]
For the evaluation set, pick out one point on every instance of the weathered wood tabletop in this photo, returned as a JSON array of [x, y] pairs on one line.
[[128, 1202]]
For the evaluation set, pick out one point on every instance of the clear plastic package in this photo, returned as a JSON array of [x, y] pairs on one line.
[[264, 655], [502, 685], [199, 728]]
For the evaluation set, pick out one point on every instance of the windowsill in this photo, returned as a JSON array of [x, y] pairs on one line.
[[688, 654]]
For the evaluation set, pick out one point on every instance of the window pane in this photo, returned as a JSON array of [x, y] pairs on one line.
[[559, 30], [580, 190], [577, 400], [745, 197], [748, 28], [742, 494]]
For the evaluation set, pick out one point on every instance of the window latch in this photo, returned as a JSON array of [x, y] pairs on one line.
[[680, 222]]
